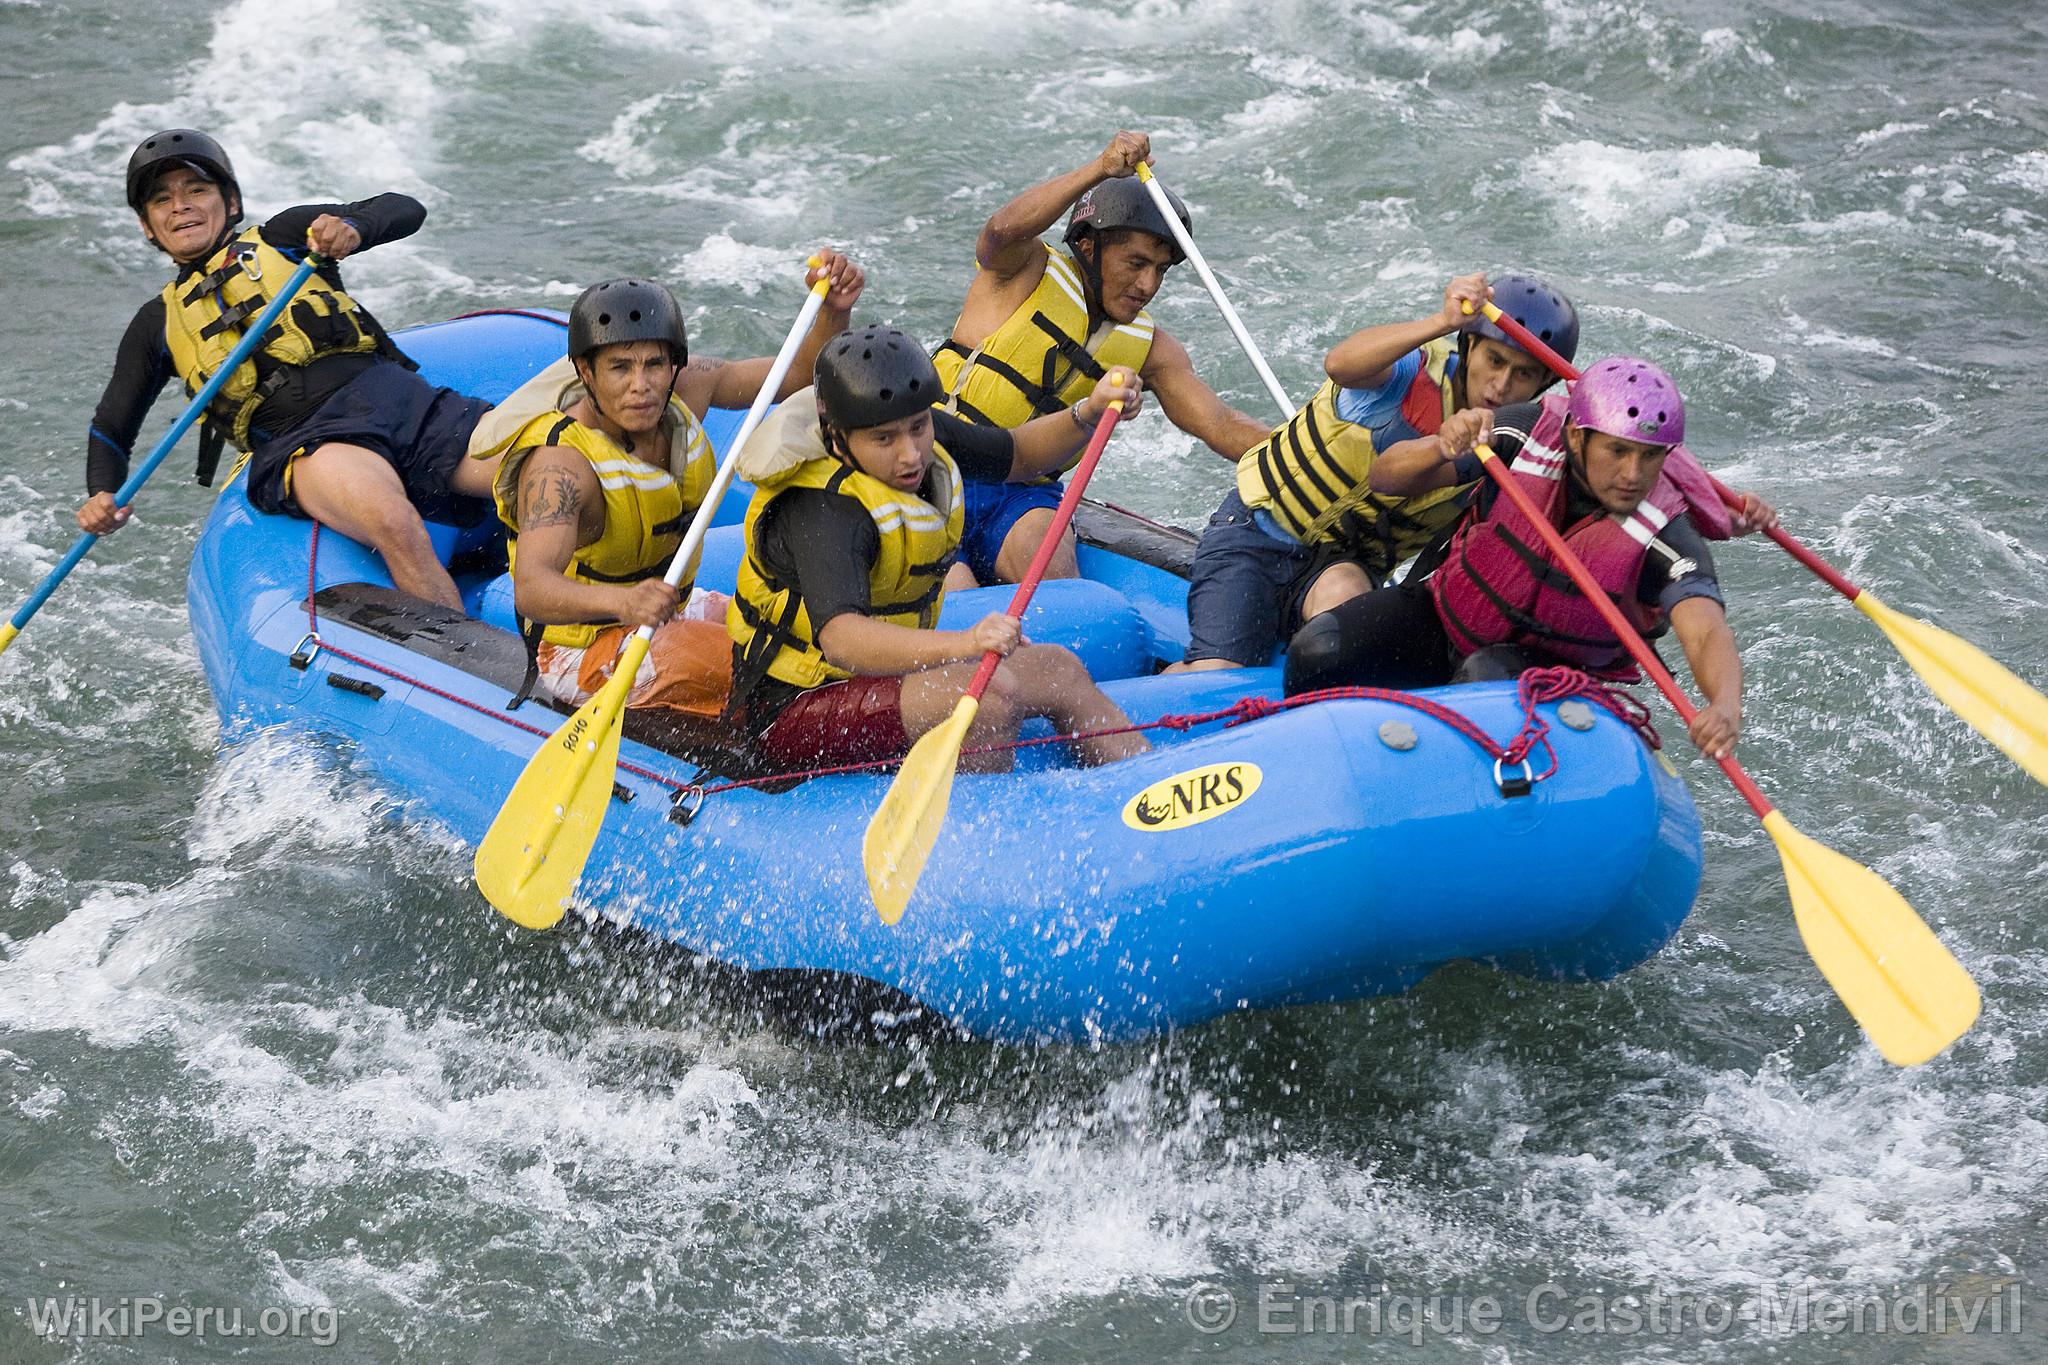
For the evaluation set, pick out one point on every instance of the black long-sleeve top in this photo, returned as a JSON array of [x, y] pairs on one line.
[[142, 363]]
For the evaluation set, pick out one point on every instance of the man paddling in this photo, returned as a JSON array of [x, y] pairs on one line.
[[1040, 326], [1601, 468], [1303, 531], [601, 462], [338, 426], [856, 517]]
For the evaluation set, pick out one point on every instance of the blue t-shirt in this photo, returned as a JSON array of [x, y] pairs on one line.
[[1379, 410]]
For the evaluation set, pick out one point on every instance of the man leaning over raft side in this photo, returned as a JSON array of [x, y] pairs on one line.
[[1603, 467], [338, 426]]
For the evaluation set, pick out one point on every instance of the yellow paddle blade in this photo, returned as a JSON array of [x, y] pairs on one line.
[[906, 825], [1995, 702], [1907, 991], [7, 634], [529, 861]]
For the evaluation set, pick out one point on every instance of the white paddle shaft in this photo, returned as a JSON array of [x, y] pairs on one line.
[[701, 522], [1194, 255]]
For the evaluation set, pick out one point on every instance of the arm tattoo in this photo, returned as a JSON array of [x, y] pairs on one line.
[[552, 499]]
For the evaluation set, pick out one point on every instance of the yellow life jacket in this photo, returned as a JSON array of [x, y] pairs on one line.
[[771, 630], [646, 507], [205, 315], [1310, 475], [1043, 358]]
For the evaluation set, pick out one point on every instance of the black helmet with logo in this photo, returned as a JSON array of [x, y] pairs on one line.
[[873, 376], [193, 151], [627, 310], [1126, 203]]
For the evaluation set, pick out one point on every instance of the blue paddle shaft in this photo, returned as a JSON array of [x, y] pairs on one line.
[[192, 413]]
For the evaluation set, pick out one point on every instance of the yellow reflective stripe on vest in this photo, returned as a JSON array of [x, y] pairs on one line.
[[906, 583], [204, 315], [646, 508], [1043, 357]]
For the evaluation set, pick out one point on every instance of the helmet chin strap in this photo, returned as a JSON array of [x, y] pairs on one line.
[[625, 437], [1091, 278], [835, 441], [221, 239], [1575, 461]]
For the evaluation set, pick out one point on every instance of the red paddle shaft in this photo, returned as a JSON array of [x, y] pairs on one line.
[[1645, 658], [1076, 481]]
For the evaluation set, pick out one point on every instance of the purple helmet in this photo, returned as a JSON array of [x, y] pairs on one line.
[[1629, 398]]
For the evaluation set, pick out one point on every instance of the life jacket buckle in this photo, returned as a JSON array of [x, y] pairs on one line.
[[1513, 786], [684, 805]]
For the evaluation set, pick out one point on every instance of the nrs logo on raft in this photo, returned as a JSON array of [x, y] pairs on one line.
[[1190, 797]]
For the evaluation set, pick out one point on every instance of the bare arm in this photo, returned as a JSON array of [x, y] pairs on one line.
[[1193, 406], [707, 383], [1702, 629], [1365, 359], [1407, 469], [861, 644], [561, 509], [1008, 244], [1044, 445]]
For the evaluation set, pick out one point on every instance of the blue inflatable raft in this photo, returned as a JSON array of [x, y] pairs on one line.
[[1326, 852]]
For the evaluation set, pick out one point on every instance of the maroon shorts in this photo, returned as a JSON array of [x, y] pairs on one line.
[[859, 720]]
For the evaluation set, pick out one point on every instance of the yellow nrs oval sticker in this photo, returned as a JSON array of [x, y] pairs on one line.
[[1191, 797]]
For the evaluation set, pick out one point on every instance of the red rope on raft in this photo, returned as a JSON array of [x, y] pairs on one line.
[[1536, 687]]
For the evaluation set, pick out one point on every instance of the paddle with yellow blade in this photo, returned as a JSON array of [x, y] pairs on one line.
[[535, 850], [1907, 991], [1188, 249], [1988, 696], [900, 836]]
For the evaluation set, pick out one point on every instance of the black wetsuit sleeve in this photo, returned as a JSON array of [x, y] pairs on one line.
[[1511, 427], [826, 545], [142, 366], [1683, 567], [383, 218], [983, 454]]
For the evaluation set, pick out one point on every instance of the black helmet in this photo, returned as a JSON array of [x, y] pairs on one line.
[[872, 376], [626, 310], [191, 149], [1125, 203], [1545, 312]]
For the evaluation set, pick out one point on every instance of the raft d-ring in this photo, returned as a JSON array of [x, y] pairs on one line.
[[1514, 786], [684, 805], [304, 652]]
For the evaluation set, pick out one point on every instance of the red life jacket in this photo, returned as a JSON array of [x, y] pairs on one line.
[[1500, 585]]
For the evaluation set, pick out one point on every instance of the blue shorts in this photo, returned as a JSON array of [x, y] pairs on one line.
[[992, 511], [1245, 596], [423, 431]]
